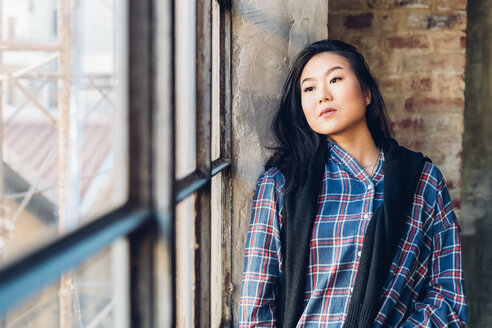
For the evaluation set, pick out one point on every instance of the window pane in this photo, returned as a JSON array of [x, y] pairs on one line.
[[217, 256], [185, 262], [215, 80], [63, 110], [93, 295], [185, 87]]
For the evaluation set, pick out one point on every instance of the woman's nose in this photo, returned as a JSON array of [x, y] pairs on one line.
[[324, 96]]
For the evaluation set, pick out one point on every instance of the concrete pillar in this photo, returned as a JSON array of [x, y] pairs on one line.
[[266, 35], [477, 165]]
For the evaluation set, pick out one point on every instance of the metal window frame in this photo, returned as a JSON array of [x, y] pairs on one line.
[[148, 215]]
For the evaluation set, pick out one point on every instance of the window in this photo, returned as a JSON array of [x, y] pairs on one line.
[[203, 155], [63, 118], [149, 171]]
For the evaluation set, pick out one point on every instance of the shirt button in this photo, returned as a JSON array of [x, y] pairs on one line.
[[366, 216], [359, 253], [369, 187], [351, 289]]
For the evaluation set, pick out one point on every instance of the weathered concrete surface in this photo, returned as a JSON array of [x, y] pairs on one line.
[[265, 36], [477, 165]]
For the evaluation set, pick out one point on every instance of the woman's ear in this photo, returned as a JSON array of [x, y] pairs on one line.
[[367, 97]]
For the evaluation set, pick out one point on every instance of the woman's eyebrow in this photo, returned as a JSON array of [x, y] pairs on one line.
[[326, 73]]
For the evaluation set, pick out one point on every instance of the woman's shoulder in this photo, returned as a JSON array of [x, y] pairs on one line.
[[432, 189], [437, 199], [432, 175], [269, 190], [272, 176]]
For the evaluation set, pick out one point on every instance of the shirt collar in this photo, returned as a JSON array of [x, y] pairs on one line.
[[341, 157]]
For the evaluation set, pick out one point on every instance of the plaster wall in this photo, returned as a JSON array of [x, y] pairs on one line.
[[266, 35]]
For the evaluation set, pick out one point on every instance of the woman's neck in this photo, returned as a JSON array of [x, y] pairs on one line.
[[362, 147]]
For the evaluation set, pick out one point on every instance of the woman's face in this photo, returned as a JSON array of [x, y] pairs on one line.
[[332, 99]]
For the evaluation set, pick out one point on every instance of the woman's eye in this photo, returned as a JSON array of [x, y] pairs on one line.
[[308, 89], [335, 79]]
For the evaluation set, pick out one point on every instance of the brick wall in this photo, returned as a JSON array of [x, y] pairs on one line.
[[416, 51]]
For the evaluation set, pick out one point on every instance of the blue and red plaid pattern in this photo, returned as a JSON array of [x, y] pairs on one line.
[[425, 285]]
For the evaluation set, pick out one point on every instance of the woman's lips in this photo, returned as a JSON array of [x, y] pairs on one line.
[[327, 111]]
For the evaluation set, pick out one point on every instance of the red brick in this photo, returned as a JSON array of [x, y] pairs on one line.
[[424, 63], [435, 151], [390, 84], [457, 62], [456, 203], [452, 123], [451, 85], [421, 84], [415, 144], [435, 62], [347, 5], [415, 21], [386, 62], [409, 42], [418, 21], [452, 21], [453, 167], [415, 105], [380, 4], [451, 184], [416, 138], [442, 150], [409, 124], [387, 22], [358, 21], [418, 104], [413, 3], [451, 5], [448, 41], [336, 28], [368, 44], [394, 103]]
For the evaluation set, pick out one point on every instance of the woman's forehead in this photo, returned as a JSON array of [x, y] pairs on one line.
[[323, 62]]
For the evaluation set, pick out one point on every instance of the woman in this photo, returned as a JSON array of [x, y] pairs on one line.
[[348, 228]]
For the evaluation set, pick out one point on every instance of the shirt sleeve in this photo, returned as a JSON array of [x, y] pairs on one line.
[[442, 300], [261, 257]]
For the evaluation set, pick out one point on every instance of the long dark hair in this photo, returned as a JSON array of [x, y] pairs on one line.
[[297, 142]]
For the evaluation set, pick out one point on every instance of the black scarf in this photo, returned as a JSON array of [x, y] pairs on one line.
[[402, 169]]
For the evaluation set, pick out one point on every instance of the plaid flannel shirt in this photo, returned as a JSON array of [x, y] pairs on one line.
[[425, 285]]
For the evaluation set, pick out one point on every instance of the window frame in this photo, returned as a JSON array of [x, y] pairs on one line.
[[147, 218]]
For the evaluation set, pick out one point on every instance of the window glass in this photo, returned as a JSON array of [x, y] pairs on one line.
[[185, 262], [95, 294], [216, 282], [215, 80], [62, 116], [185, 61]]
